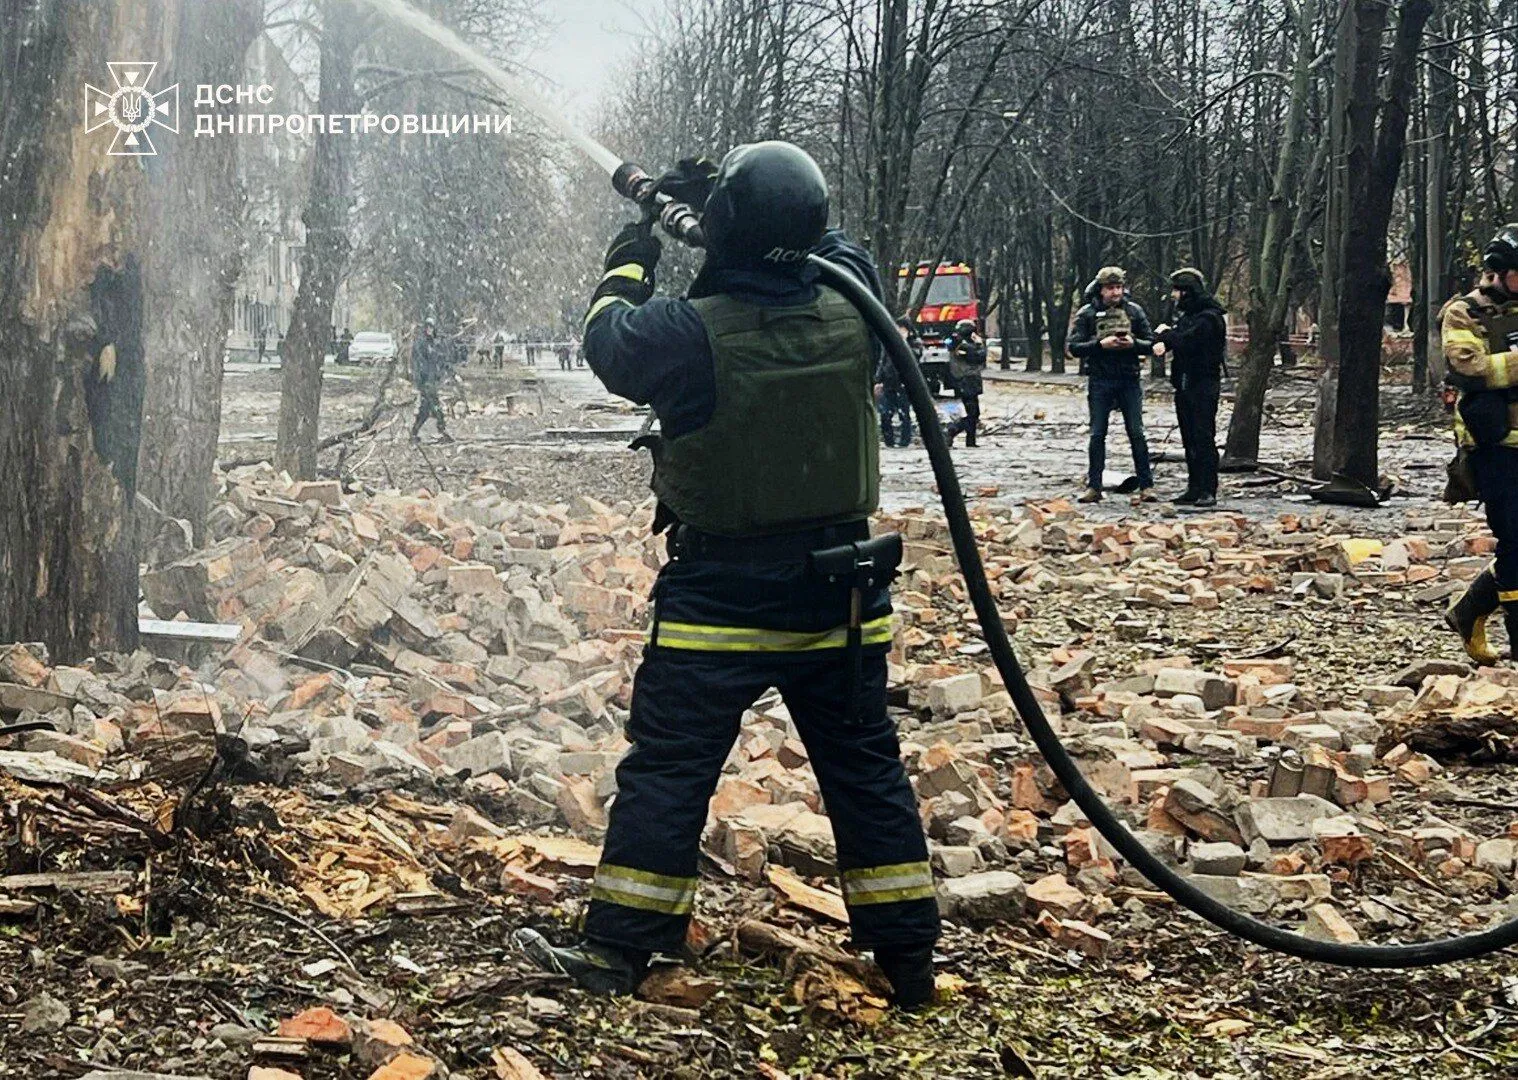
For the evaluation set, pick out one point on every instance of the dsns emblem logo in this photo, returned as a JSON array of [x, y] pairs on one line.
[[131, 108]]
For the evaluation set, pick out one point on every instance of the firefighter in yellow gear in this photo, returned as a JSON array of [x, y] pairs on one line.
[[1480, 338]]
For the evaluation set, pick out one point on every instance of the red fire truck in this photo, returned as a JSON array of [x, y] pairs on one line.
[[952, 295]]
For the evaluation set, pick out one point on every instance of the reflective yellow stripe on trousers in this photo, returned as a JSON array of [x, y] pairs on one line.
[[643, 889], [701, 638], [888, 884]]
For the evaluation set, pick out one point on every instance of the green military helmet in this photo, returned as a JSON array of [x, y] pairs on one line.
[[1111, 275], [1189, 279]]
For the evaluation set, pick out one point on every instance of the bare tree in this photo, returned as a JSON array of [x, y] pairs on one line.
[[71, 306], [193, 260], [1375, 133], [1285, 221], [328, 243]]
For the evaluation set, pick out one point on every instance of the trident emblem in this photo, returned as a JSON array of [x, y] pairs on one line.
[[131, 109]]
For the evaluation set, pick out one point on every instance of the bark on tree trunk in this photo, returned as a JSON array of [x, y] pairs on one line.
[[1332, 271], [194, 257], [71, 353], [1375, 161], [325, 259], [1270, 292], [1436, 260]]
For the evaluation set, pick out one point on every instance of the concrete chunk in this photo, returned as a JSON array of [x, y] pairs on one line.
[[956, 694], [1220, 858], [488, 753], [1283, 821], [1214, 690], [990, 896]]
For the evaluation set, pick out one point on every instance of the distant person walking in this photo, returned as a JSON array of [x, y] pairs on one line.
[[429, 365], [967, 365]]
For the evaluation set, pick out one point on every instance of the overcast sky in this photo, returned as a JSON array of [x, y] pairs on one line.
[[594, 37]]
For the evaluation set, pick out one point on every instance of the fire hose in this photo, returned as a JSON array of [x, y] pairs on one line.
[[683, 223]]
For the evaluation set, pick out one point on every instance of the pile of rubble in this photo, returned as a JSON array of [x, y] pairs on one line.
[[384, 639]]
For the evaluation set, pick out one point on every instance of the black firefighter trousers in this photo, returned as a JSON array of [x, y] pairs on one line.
[[685, 716], [1196, 414]]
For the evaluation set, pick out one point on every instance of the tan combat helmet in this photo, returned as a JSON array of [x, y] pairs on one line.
[[1111, 275], [1189, 277]]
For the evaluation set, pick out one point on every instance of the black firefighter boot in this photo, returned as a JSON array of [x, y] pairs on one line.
[[594, 966], [910, 973], [1467, 617]]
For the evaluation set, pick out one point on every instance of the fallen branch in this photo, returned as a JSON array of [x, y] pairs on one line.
[[368, 425], [762, 937], [296, 920]]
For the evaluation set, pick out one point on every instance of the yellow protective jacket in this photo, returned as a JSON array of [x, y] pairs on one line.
[[1479, 332]]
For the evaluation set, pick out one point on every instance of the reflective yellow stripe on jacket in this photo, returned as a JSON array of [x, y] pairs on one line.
[[702, 638]]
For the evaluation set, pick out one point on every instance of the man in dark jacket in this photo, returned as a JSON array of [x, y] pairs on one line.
[[1110, 336], [891, 396], [967, 365], [429, 366], [1198, 344], [766, 470]]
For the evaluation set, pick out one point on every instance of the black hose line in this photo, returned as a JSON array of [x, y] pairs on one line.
[[1421, 954]]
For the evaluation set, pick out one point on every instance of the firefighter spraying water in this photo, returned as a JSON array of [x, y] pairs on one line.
[[777, 298]]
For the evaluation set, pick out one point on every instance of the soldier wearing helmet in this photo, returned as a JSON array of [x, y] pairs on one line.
[[766, 471], [1480, 337]]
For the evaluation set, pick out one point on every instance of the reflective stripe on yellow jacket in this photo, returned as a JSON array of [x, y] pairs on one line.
[[1468, 353]]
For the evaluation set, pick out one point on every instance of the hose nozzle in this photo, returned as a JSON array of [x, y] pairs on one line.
[[631, 182], [678, 219]]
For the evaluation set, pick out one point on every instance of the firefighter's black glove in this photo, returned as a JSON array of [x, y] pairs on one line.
[[635, 245], [689, 182], [630, 261]]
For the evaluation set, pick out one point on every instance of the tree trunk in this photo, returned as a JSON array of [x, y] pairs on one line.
[[325, 259], [1243, 446], [1375, 162], [1437, 286], [1270, 292], [1417, 315], [71, 352], [193, 260], [1332, 273]]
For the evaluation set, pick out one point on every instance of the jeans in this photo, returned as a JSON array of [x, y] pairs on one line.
[[1102, 396], [894, 404], [1196, 414]]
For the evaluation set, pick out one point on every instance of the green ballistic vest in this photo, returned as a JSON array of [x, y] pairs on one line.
[[793, 442], [1113, 320]]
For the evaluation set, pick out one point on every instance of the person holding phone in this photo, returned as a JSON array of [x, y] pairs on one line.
[[1111, 336]]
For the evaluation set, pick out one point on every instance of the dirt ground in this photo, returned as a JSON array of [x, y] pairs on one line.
[[181, 989], [532, 425]]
